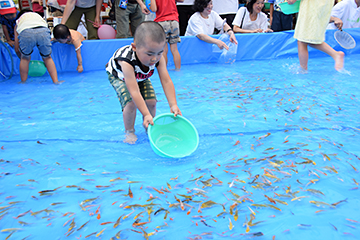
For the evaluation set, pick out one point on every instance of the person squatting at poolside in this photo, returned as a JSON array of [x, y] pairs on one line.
[[251, 19], [204, 20], [129, 70], [167, 16], [32, 30], [310, 28], [63, 34]]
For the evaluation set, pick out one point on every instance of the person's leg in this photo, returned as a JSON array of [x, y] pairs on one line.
[[276, 24], [24, 67], [129, 116], [122, 21], [136, 17], [90, 14], [50, 65], [286, 22], [151, 104], [176, 55], [74, 18], [338, 56], [303, 54]]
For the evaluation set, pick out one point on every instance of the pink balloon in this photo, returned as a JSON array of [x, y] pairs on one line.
[[106, 32]]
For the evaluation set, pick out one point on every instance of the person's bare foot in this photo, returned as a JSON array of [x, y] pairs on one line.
[[130, 137], [339, 60]]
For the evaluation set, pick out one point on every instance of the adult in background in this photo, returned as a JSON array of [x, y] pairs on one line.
[[185, 10], [130, 14], [74, 10], [348, 11], [226, 9], [203, 22], [251, 19]]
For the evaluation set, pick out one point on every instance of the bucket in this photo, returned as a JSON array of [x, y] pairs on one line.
[[36, 68], [290, 9], [173, 137]]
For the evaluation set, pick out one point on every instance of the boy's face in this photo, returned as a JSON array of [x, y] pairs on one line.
[[149, 53], [66, 40], [10, 16]]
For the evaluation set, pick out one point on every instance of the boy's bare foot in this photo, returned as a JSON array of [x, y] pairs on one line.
[[130, 137], [339, 60]]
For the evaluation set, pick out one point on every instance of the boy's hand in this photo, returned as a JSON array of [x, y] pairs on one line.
[[175, 109], [11, 43], [148, 119], [80, 68]]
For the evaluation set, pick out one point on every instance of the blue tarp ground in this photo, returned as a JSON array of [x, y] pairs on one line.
[[96, 53]]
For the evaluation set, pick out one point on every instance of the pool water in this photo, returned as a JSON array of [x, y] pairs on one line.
[[278, 157]]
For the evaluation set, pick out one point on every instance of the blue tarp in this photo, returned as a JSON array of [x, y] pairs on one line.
[[96, 53]]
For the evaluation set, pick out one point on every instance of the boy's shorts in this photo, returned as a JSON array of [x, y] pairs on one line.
[[146, 89], [171, 29], [40, 37]]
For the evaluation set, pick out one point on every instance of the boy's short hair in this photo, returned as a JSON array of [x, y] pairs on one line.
[[149, 30], [61, 31], [7, 7]]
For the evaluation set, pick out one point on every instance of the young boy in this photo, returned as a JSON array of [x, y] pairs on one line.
[[63, 34], [31, 30], [129, 70], [8, 15], [167, 16]]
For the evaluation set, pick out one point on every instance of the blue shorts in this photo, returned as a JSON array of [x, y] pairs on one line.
[[40, 37]]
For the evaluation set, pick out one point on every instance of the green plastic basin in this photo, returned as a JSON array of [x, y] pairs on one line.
[[173, 137]]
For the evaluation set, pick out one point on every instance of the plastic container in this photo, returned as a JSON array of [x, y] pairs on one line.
[[36, 68], [344, 39], [290, 9], [173, 137]]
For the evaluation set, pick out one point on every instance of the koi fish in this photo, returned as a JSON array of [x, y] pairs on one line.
[[318, 203]]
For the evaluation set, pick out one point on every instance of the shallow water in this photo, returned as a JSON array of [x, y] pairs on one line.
[[264, 130]]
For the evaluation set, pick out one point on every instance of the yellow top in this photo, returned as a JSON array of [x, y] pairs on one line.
[[313, 18]]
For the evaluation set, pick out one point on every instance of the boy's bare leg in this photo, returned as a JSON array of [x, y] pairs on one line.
[[303, 54], [129, 115], [50, 65], [151, 104], [338, 56], [24, 67], [176, 55]]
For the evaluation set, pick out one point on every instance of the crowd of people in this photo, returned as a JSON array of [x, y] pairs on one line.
[[131, 66]]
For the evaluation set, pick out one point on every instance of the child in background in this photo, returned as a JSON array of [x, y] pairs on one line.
[[8, 15], [31, 30], [310, 28], [167, 16], [129, 70], [279, 21], [63, 34]]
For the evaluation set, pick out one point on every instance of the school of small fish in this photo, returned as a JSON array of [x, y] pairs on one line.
[[274, 181]]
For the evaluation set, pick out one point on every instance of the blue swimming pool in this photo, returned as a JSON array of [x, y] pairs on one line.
[[278, 157]]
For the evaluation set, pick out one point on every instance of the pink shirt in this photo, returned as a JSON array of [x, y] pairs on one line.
[[166, 11]]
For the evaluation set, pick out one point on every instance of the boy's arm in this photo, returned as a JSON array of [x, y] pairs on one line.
[[168, 87], [79, 59], [271, 13], [7, 36], [153, 6], [133, 88]]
